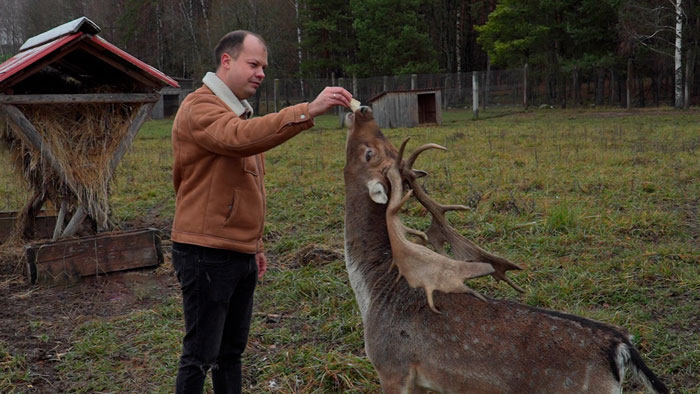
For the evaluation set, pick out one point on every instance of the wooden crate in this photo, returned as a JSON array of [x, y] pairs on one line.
[[93, 255]]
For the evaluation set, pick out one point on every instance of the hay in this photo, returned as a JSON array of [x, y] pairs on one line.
[[83, 139]]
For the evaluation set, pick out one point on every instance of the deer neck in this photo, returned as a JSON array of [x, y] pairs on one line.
[[367, 246]]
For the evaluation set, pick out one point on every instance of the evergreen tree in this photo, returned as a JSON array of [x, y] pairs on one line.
[[328, 39], [391, 38]]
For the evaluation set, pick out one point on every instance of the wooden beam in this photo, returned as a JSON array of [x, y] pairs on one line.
[[104, 56], [125, 143], [34, 99], [59, 222], [29, 134], [94, 255], [75, 222]]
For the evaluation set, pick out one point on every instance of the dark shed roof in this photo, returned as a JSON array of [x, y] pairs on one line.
[[401, 91]]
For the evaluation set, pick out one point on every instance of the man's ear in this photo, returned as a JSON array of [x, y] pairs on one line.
[[226, 60]]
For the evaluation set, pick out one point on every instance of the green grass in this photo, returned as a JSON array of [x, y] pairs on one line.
[[600, 208], [15, 374]]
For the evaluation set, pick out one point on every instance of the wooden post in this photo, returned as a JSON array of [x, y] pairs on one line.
[[276, 91], [414, 81], [341, 115], [475, 94], [525, 103], [59, 221], [75, 221], [354, 85], [337, 109], [628, 84], [448, 80], [459, 87], [487, 81], [612, 87]]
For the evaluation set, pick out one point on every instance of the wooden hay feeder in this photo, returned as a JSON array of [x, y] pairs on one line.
[[407, 108], [71, 104]]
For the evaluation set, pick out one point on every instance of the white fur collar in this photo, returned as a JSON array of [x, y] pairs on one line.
[[219, 88]]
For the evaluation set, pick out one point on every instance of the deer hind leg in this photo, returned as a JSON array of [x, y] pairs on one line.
[[393, 383]]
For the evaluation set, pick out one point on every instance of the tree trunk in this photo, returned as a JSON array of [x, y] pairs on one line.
[[525, 104], [301, 79], [206, 24], [678, 56]]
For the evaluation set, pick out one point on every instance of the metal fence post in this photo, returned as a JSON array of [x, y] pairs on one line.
[[414, 81], [354, 85], [475, 94], [276, 91], [525, 86]]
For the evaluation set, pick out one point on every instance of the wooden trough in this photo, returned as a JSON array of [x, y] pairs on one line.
[[70, 259], [43, 225], [72, 104]]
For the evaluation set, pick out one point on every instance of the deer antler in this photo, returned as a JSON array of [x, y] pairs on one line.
[[421, 266], [440, 231]]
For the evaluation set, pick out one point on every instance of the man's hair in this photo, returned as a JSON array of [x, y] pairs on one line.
[[232, 43]]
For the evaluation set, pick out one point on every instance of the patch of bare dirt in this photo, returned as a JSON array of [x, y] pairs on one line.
[[36, 321], [311, 254]]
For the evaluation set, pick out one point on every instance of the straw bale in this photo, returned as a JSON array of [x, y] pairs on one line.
[[83, 139]]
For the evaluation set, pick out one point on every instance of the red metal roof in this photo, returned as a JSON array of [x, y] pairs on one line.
[[22, 60], [136, 62], [34, 56]]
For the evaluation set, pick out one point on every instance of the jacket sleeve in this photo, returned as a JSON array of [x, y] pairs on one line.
[[217, 129]]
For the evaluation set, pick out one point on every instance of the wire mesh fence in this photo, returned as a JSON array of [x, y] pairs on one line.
[[494, 88]]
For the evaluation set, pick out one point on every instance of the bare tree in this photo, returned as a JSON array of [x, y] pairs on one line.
[[658, 26]]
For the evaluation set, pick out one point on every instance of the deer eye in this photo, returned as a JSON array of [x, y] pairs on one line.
[[369, 154]]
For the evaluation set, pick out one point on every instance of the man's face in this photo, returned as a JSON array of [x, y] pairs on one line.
[[244, 74]]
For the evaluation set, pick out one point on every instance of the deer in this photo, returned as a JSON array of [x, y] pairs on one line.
[[424, 329]]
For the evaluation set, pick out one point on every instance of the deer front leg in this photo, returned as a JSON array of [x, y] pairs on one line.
[[393, 383]]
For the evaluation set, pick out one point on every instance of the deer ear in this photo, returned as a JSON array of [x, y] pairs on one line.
[[377, 192], [348, 119]]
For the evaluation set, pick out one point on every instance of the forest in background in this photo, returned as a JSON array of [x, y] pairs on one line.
[[565, 43]]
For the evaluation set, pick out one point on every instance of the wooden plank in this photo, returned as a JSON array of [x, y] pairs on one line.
[[94, 255], [43, 227], [79, 98], [59, 221]]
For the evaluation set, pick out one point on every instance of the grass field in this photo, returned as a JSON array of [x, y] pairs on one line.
[[601, 208]]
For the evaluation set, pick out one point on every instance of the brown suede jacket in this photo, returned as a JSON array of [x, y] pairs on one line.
[[219, 166]]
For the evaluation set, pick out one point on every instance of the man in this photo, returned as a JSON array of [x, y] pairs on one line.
[[220, 205]]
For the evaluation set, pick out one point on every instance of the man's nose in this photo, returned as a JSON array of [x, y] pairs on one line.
[[261, 73]]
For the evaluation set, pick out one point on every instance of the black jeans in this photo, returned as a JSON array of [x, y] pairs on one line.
[[217, 294]]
